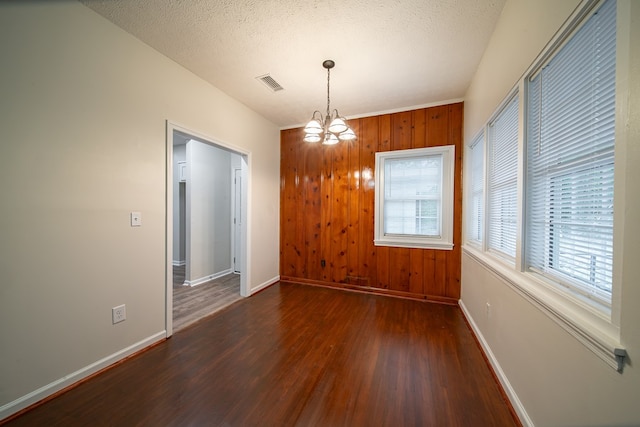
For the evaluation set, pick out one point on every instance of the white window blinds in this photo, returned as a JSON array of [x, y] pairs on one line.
[[475, 219], [570, 153], [413, 195], [503, 180]]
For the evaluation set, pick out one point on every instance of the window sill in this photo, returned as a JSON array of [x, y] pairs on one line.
[[414, 244], [590, 327]]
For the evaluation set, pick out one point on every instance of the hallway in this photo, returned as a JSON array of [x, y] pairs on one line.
[[191, 304]]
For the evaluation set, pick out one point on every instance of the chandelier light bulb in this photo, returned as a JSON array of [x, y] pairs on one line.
[[330, 139], [337, 125], [347, 135], [312, 137], [313, 127]]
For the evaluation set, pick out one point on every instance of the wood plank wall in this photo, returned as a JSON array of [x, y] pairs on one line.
[[327, 209]]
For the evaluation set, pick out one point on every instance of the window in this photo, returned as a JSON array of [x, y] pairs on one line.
[[502, 185], [549, 186], [414, 198], [475, 181], [570, 147]]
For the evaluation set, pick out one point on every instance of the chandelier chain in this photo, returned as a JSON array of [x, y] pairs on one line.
[[328, 99]]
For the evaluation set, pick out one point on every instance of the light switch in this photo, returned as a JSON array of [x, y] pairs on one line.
[[136, 219]]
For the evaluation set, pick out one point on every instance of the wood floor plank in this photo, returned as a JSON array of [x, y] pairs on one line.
[[192, 303], [296, 355]]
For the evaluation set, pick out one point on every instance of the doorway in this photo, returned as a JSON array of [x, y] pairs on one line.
[[206, 220]]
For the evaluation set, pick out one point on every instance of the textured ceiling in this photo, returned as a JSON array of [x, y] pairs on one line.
[[389, 54]]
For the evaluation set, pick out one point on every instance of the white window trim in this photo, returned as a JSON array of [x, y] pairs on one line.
[[597, 329], [445, 240], [468, 198]]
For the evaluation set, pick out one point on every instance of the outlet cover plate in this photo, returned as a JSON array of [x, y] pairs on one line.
[[119, 314], [136, 219]]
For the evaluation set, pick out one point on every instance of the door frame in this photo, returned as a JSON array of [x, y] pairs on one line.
[[245, 156], [237, 215]]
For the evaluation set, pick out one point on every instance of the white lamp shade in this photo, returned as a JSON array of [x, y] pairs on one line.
[[347, 135], [330, 139], [337, 125], [313, 127], [312, 137]]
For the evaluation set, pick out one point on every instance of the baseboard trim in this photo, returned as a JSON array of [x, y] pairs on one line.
[[264, 285], [371, 290], [208, 278], [516, 404], [40, 395]]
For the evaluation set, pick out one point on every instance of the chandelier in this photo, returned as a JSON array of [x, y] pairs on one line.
[[331, 128]]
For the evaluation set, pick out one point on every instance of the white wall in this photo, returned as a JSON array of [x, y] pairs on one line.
[[557, 380], [209, 211], [83, 110]]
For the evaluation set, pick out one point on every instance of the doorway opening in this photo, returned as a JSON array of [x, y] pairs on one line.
[[206, 226]]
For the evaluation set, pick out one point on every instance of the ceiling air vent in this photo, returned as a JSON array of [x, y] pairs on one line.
[[270, 82]]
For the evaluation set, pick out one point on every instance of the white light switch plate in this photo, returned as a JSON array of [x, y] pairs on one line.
[[136, 219]]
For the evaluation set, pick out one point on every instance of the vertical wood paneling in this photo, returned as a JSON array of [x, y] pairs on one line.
[[312, 210], [327, 208], [288, 203], [339, 212], [368, 141], [416, 275], [299, 225], [419, 136], [354, 266], [428, 271]]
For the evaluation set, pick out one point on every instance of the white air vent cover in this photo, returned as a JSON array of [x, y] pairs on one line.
[[270, 82]]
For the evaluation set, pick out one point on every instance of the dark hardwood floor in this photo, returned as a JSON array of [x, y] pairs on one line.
[[296, 355]]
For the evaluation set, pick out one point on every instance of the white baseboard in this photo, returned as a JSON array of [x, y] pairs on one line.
[[54, 387], [178, 263], [264, 285], [506, 385], [208, 278]]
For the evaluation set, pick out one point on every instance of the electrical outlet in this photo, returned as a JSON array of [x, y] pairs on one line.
[[119, 314], [136, 219]]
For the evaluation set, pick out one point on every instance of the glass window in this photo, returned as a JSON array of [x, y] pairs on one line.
[[475, 183], [414, 198], [570, 160], [502, 185]]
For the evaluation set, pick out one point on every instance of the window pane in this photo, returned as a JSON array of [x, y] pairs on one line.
[[502, 186], [570, 153], [413, 193], [476, 184]]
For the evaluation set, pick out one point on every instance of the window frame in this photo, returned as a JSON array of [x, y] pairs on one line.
[[513, 184], [476, 194], [571, 166], [445, 240]]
